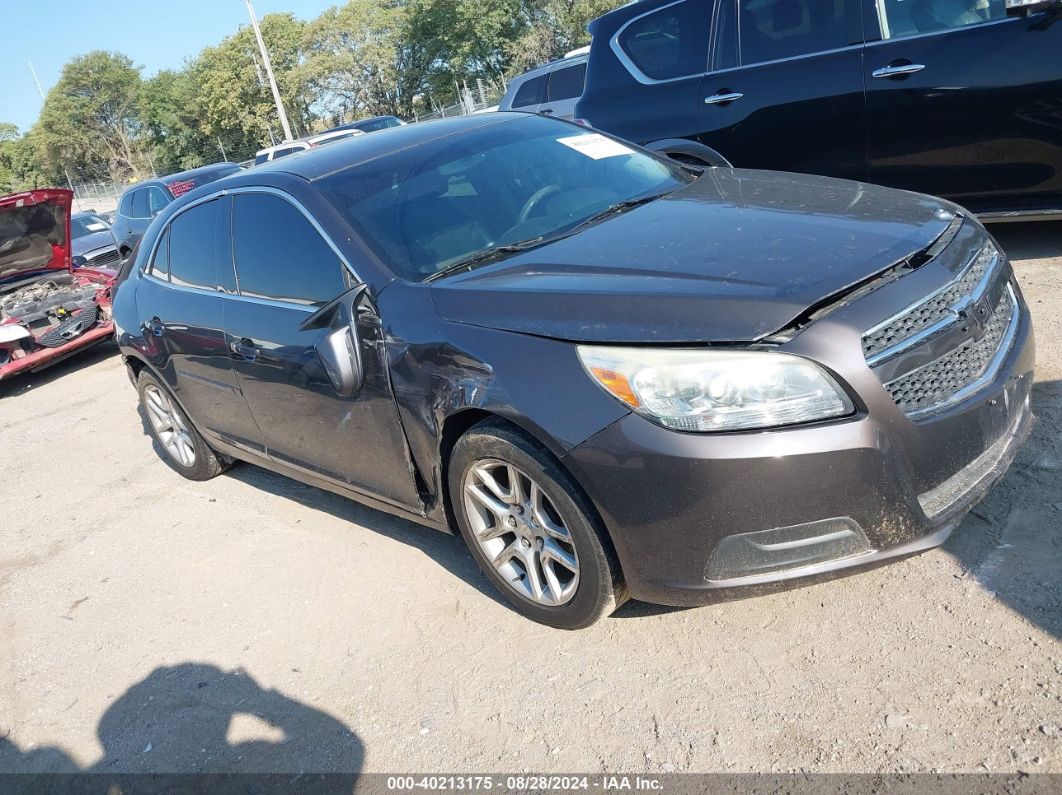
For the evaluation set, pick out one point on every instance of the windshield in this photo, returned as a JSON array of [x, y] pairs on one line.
[[425, 208], [86, 225]]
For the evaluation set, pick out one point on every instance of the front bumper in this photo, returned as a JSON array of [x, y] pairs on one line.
[[670, 499]]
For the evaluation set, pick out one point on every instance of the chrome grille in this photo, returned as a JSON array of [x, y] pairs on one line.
[[947, 379], [889, 338]]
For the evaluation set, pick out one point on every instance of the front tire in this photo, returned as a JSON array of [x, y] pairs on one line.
[[532, 531], [179, 443]]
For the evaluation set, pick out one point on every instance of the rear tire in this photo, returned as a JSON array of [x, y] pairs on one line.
[[541, 543], [177, 441]]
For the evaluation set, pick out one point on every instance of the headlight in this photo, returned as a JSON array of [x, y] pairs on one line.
[[710, 390]]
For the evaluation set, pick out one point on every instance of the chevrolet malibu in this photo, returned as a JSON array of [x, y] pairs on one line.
[[613, 375]]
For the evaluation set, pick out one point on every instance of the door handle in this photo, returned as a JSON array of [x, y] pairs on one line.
[[722, 97], [155, 327], [546, 112], [898, 70], [244, 350]]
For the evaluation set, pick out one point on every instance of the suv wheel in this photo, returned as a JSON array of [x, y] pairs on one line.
[[182, 447], [531, 530]]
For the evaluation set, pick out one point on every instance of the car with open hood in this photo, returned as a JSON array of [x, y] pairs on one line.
[[49, 309], [612, 374]]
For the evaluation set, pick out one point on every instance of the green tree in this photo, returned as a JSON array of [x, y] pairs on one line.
[[90, 118], [554, 28], [232, 97], [171, 133]]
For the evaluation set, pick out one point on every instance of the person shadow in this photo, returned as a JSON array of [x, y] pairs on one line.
[[198, 719]]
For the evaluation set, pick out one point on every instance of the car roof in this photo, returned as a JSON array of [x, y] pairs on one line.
[[189, 174], [314, 164]]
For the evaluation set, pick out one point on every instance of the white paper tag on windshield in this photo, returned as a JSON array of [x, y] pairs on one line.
[[95, 226], [596, 146]]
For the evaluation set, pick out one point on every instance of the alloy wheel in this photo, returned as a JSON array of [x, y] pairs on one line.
[[169, 427], [521, 532]]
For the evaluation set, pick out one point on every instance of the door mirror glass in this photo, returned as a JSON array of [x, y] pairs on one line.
[[340, 348]]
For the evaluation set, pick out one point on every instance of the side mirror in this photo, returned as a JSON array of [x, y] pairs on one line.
[[1023, 8], [339, 350]]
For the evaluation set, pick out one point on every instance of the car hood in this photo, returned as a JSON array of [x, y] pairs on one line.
[[34, 233], [86, 243], [735, 256]]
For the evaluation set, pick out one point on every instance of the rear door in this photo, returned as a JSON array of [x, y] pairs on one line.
[[563, 90], [965, 102], [181, 309], [285, 271], [786, 91]]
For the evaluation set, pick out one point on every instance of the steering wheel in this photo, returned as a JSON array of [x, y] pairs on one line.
[[536, 199]]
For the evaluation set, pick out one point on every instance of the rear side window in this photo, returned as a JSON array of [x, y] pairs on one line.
[[160, 266], [280, 255], [773, 29], [140, 204], [566, 83], [900, 18], [157, 201], [530, 93], [126, 207], [379, 124], [192, 245], [669, 43], [263, 158]]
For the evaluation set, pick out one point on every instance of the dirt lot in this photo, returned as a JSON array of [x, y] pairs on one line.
[[251, 623]]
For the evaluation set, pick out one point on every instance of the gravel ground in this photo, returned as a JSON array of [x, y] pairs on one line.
[[251, 623]]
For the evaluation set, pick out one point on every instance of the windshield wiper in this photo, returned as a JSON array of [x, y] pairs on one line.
[[616, 209], [486, 256]]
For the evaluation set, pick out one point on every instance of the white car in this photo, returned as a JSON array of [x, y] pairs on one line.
[[302, 144]]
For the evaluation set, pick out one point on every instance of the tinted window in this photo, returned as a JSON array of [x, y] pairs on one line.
[[530, 93], [773, 29], [899, 18], [566, 83], [379, 124], [259, 159], [290, 150], [192, 238], [160, 266], [280, 255], [140, 204], [157, 201], [126, 207], [672, 42]]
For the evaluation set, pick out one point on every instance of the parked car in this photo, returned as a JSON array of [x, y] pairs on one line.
[[92, 243], [612, 374], [551, 90], [947, 97], [302, 144], [142, 202], [375, 124], [48, 309]]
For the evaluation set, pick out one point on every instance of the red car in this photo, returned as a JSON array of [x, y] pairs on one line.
[[48, 309]]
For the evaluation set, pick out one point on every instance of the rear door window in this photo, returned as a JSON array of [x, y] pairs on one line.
[[193, 236], [901, 18], [669, 43], [530, 93], [139, 207], [769, 30], [566, 83], [157, 201], [280, 255], [126, 207]]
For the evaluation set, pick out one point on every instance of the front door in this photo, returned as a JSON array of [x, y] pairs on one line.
[[285, 271], [786, 89], [965, 102]]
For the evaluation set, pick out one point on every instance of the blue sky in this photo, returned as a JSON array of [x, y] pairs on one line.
[[156, 34]]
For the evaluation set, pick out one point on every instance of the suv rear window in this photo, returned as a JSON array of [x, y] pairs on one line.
[[530, 93], [566, 83], [669, 43]]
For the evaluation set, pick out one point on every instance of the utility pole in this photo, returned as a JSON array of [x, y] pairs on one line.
[[269, 72], [69, 182]]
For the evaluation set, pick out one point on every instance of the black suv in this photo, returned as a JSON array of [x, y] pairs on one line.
[[142, 202], [948, 97]]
